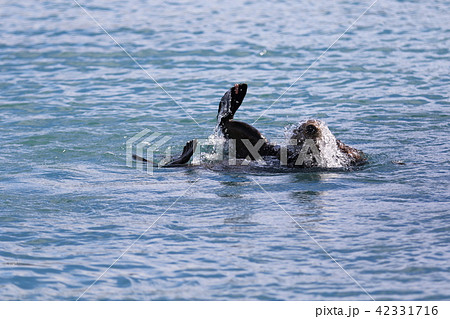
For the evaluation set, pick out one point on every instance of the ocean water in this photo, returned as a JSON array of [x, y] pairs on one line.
[[77, 223]]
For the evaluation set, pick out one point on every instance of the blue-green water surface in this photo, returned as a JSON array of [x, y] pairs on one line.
[[70, 98]]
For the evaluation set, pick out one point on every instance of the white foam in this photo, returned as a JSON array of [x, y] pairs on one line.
[[330, 156]]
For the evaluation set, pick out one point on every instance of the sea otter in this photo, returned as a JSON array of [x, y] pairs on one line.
[[311, 144]]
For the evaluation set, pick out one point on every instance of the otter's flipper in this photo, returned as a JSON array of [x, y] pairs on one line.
[[139, 158], [230, 102], [237, 131], [185, 156]]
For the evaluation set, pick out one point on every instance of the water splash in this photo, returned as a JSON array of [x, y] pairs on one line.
[[326, 153], [217, 146], [329, 156]]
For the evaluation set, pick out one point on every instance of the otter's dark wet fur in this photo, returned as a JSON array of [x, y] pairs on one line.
[[241, 133]]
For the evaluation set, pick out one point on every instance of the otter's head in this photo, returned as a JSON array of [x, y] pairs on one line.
[[306, 140], [325, 149], [311, 129]]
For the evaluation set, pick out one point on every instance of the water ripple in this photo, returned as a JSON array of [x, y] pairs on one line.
[[70, 99]]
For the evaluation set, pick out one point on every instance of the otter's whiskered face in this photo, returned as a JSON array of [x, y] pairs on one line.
[[310, 129]]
